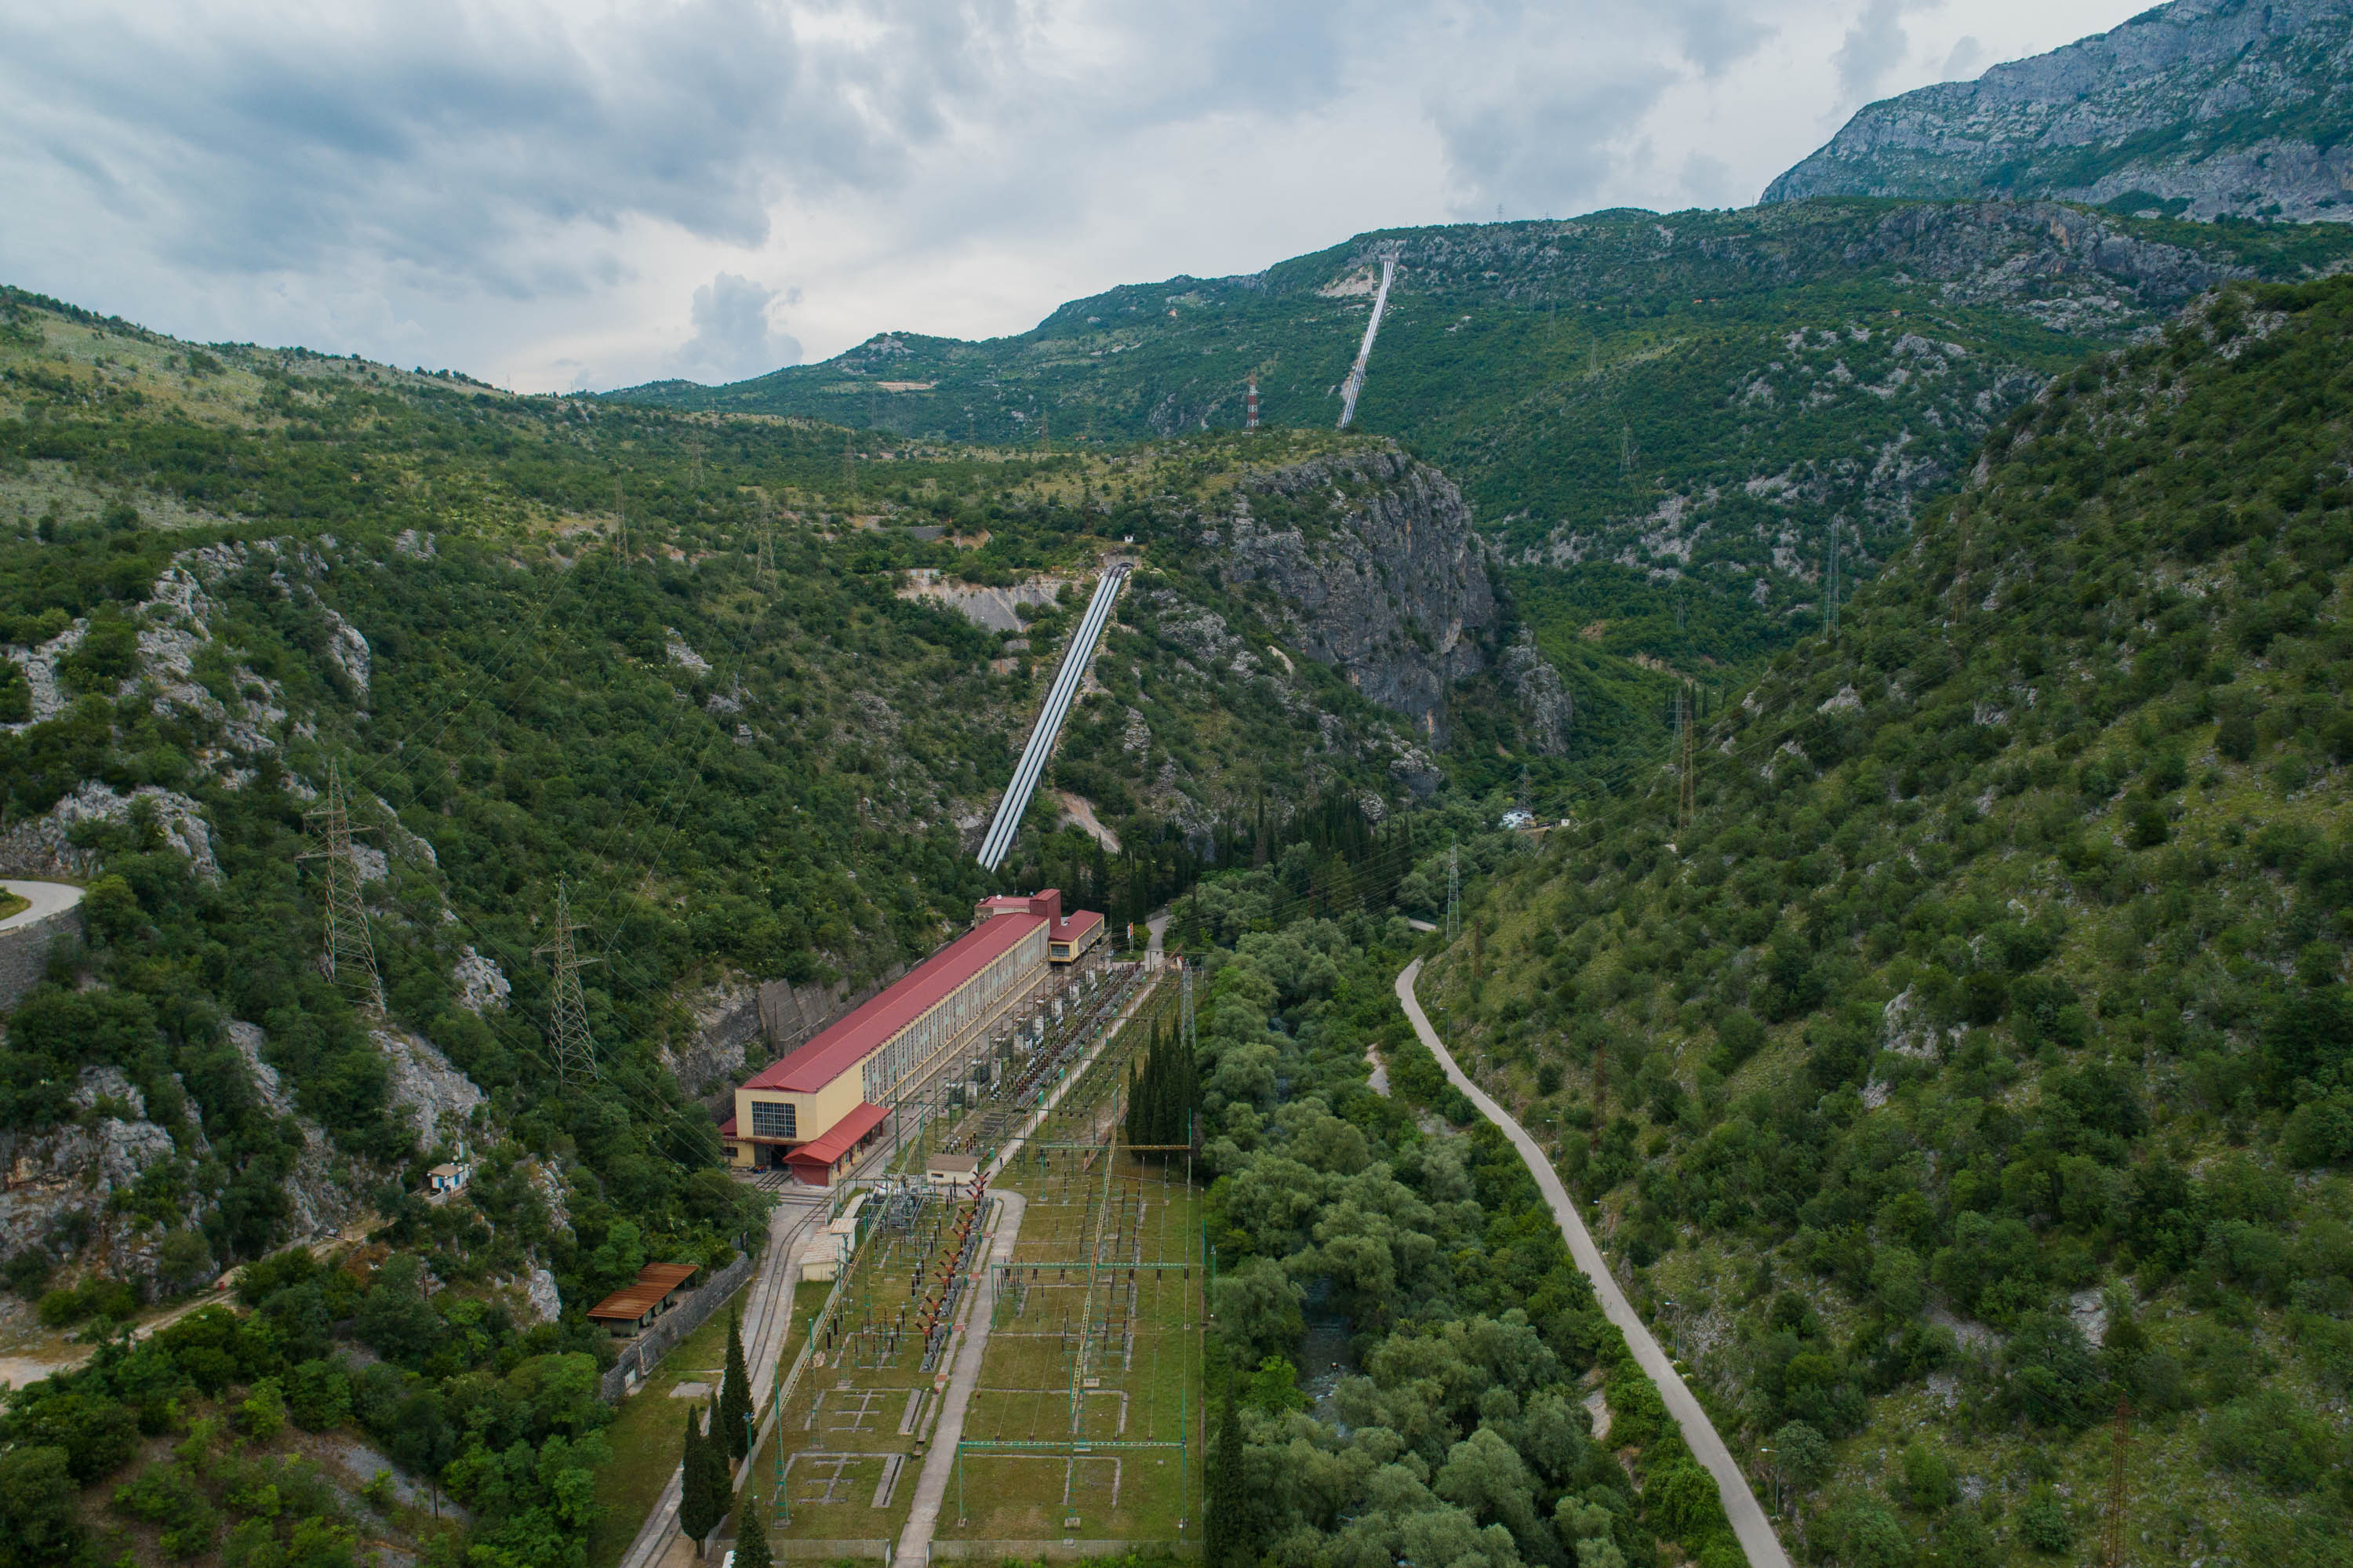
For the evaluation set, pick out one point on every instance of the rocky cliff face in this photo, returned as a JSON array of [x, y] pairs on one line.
[[2203, 107], [1378, 570]]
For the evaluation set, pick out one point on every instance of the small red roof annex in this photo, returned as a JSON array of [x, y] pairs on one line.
[[840, 1139]]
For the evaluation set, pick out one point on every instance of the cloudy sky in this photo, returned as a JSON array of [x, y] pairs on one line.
[[593, 195]]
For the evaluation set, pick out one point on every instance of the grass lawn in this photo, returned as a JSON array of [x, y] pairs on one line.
[[645, 1435], [10, 903]]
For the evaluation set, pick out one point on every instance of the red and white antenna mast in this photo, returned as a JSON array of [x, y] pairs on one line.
[[1249, 408]]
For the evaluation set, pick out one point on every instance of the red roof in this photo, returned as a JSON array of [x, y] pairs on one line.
[[727, 1128], [642, 1295], [1080, 923], [850, 1040], [840, 1139]]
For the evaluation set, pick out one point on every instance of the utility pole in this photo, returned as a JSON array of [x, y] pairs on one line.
[[2115, 1554], [1185, 1020], [350, 955], [1454, 893], [567, 1013]]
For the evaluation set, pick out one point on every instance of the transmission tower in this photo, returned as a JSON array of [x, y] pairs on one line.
[[350, 957], [764, 564], [1454, 893], [1830, 576], [2115, 1554], [1185, 1014], [1687, 804], [620, 524], [849, 465], [696, 448], [1626, 449], [567, 1013]]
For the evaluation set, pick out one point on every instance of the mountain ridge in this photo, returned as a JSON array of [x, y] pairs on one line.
[[2201, 107]]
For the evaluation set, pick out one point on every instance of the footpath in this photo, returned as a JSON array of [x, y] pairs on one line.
[[1749, 1521]]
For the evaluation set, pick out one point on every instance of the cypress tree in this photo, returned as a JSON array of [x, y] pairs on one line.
[[719, 1470], [752, 1533], [697, 1518], [735, 1391], [1227, 1503]]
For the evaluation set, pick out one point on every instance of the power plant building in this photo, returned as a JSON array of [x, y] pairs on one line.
[[812, 1111]]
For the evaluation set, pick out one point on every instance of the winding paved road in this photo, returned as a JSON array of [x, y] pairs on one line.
[[47, 898], [1749, 1521]]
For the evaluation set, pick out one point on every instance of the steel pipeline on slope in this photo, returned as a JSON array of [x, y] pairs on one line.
[[1001, 831]]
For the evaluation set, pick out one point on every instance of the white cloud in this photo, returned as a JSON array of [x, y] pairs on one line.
[[536, 192], [733, 335]]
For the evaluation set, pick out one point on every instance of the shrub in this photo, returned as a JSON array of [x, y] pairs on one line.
[[318, 1396], [2043, 1523], [27, 1271], [2269, 1436], [2235, 738], [263, 1413]]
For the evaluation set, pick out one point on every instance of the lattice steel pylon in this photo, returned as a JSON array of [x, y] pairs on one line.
[[1454, 893], [1185, 1022], [350, 955], [1686, 803], [1830, 585], [567, 1013], [2114, 1556], [764, 564]]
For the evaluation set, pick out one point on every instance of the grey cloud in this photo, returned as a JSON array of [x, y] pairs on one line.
[[1543, 147], [1716, 35], [449, 141], [1874, 46], [733, 337], [1968, 59]]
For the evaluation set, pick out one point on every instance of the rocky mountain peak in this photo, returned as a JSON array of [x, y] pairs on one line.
[[2202, 107]]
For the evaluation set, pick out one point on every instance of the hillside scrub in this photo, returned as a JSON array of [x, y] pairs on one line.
[[1465, 1435], [1978, 1060], [745, 749]]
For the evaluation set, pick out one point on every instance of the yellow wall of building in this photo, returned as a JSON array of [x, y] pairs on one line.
[[816, 1113]]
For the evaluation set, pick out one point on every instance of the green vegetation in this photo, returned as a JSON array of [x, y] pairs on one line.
[[185, 1441], [1976, 1058], [743, 749], [1458, 1428], [1695, 397]]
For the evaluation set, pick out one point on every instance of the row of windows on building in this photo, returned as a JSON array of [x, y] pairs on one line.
[[771, 1120], [887, 1067]]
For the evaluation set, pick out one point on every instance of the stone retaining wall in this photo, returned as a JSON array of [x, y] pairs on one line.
[[25, 952], [645, 1351], [1060, 1551]]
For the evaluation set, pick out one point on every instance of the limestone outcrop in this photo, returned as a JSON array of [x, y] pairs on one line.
[[2201, 108]]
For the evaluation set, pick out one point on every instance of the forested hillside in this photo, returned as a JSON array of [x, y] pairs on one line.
[[1410, 1368], [1681, 404], [743, 689], [1964, 1085]]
